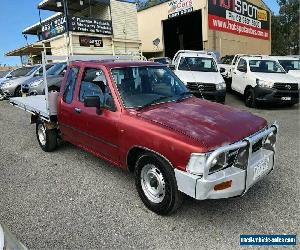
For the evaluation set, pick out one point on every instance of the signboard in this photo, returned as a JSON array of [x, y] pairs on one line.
[[179, 7], [54, 27], [88, 41], [90, 25], [239, 17], [57, 26]]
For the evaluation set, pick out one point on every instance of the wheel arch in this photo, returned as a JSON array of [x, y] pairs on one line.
[[135, 151], [247, 87]]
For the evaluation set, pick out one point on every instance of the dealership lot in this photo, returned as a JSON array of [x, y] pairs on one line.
[[71, 199]]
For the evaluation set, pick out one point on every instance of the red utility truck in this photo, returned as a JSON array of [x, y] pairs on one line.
[[139, 116]]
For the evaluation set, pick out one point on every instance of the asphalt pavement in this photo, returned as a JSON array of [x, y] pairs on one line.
[[70, 199]]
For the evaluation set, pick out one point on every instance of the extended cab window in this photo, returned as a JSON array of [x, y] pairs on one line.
[[70, 85], [94, 83]]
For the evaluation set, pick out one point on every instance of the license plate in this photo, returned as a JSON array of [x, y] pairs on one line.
[[261, 168], [286, 98]]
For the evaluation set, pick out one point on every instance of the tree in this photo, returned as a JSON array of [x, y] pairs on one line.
[[285, 28]]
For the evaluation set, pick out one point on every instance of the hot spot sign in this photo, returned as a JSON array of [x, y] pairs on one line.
[[239, 17], [179, 7]]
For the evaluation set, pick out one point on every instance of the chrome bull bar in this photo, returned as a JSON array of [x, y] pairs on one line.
[[247, 142]]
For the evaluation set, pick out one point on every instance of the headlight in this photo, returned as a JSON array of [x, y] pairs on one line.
[[6, 84], [197, 163], [263, 84], [221, 86], [36, 83]]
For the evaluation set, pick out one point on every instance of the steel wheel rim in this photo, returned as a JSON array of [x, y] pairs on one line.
[[42, 134], [250, 98], [153, 183]]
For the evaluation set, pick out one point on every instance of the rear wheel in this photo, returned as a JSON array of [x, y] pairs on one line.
[[47, 138], [156, 184], [250, 98]]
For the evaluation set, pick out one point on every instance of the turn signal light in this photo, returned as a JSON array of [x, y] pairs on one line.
[[223, 185]]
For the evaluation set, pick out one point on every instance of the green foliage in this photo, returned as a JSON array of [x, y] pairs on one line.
[[285, 28]]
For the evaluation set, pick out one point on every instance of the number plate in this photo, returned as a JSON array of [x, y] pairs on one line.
[[261, 168], [286, 98]]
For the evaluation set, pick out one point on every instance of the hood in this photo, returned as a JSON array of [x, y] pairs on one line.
[[210, 124], [295, 73], [18, 80], [196, 76], [275, 77]]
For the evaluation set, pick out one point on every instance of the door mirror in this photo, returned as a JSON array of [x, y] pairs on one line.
[[242, 68], [93, 102], [172, 66], [222, 70]]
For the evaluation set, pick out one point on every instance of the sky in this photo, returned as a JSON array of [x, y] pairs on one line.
[[17, 15]]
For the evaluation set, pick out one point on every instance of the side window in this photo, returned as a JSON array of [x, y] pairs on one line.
[[94, 83], [70, 85], [242, 65]]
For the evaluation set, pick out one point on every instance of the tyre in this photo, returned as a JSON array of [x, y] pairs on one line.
[[250, 98], [18, 92], [47, 138], [156, 184]]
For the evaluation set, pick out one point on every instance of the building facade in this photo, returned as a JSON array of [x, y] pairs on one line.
[[226, 26], [94, 27]]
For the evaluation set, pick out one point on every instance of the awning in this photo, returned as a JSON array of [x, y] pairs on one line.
[[30, 49], [37, 28], [73, 6]]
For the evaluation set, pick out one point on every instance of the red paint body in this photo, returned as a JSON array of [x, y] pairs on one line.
[[174, 130]]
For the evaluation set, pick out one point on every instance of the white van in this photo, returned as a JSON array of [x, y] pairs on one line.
[[200, 73], [263, 79]]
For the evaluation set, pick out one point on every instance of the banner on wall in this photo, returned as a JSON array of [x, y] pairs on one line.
[[179, 7], [239, 17]]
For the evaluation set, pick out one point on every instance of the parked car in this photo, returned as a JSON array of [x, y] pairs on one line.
[[226, 64], [200, 73], [290, 64], [263, 79], [35, 85], [139, 116], [12, 87], [18, 72]]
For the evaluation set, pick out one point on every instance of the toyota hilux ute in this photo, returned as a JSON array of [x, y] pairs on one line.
[[199, 71], [139, 116], [263, 80]]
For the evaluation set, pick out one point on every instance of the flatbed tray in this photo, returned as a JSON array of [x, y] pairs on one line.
[[36, 105]]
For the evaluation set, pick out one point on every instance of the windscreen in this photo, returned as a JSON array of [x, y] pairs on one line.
[[33, 69], [139, 86], [56, 69], [21, 71], [290, 64], [3, 73], [265, 66], [203, 64]]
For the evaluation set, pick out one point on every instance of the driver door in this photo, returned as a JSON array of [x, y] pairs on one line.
[[239, 76]]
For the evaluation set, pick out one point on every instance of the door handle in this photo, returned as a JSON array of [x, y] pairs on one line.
[[77, 110]]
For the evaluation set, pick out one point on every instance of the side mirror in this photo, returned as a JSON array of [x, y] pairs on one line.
[[172, 66], [242, 68], [222, 70], [93, 102]]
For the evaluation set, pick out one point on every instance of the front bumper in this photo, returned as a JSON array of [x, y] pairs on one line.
[[217, 95], [269, 95], [240, 179]]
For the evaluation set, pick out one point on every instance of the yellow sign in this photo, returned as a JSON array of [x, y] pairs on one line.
[[262, 15]]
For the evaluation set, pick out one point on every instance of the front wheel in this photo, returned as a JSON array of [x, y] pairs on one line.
[[156, 184], [250, 98], [47, 138]]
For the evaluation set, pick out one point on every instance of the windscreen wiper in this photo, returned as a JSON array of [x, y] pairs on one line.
[[154, 101], [183, 95]]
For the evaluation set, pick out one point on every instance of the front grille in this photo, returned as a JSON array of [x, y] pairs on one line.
[[231, 156], [199, 86], [286, 94], [285, 86]]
